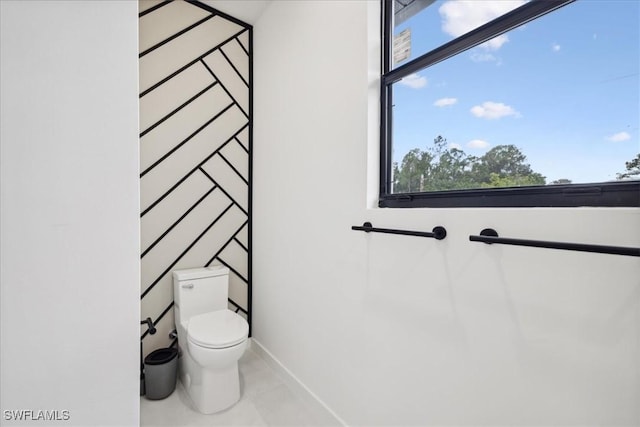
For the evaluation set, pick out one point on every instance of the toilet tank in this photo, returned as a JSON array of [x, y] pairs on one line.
[[200, 290]]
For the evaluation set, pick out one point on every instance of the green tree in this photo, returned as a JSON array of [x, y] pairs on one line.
[[440, 167], [504, 166], [496, 180], [411, 175], [633, 169], [450, 169]]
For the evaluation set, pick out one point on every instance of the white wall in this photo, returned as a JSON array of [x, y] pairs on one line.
[[246, 10], [70, 233], [395, 330]]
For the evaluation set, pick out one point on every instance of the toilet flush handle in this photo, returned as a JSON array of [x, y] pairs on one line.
[[188, 286]]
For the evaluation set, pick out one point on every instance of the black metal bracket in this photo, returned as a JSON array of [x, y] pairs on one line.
[[437, 233], [489, 236], [150, 325]]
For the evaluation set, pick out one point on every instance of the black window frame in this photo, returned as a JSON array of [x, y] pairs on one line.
[[605, 194]]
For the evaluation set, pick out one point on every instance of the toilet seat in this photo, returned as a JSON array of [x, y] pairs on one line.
[[217, 329]]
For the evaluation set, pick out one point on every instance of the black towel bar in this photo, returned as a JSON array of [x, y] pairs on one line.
[[438, 232], [489, 235]]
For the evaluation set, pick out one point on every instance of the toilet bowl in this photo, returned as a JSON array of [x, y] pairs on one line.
[[211, 338]]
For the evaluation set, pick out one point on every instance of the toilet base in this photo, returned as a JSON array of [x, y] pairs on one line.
[[213, 388]]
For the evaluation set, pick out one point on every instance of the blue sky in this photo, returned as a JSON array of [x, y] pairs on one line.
[[563, 88]]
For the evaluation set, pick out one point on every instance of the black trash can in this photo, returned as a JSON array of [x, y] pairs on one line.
[[160, 373]]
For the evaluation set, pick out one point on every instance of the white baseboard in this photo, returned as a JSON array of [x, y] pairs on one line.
[[318, 408]]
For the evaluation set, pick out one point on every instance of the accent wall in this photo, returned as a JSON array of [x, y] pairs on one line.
[[195, 154]]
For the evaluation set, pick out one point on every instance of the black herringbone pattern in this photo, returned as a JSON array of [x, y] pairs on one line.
[[195, 142]]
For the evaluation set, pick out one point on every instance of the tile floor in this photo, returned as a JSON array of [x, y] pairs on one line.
[[266, 401]]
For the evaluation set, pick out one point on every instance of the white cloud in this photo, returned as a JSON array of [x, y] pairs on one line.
[[414, 81], [495, 43], [477, 143], [493, 110], [555, 47], [460, 17], [454, 145], [618, 137], [444, 102], [482, 57]]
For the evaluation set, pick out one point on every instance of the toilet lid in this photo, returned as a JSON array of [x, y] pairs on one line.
[[217, 329]]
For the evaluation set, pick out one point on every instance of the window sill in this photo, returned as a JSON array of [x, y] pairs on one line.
[[610, 194]]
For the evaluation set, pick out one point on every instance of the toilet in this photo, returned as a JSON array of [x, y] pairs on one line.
[[211, 337]]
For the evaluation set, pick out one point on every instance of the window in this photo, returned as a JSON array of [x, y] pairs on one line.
[[510, 103]]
